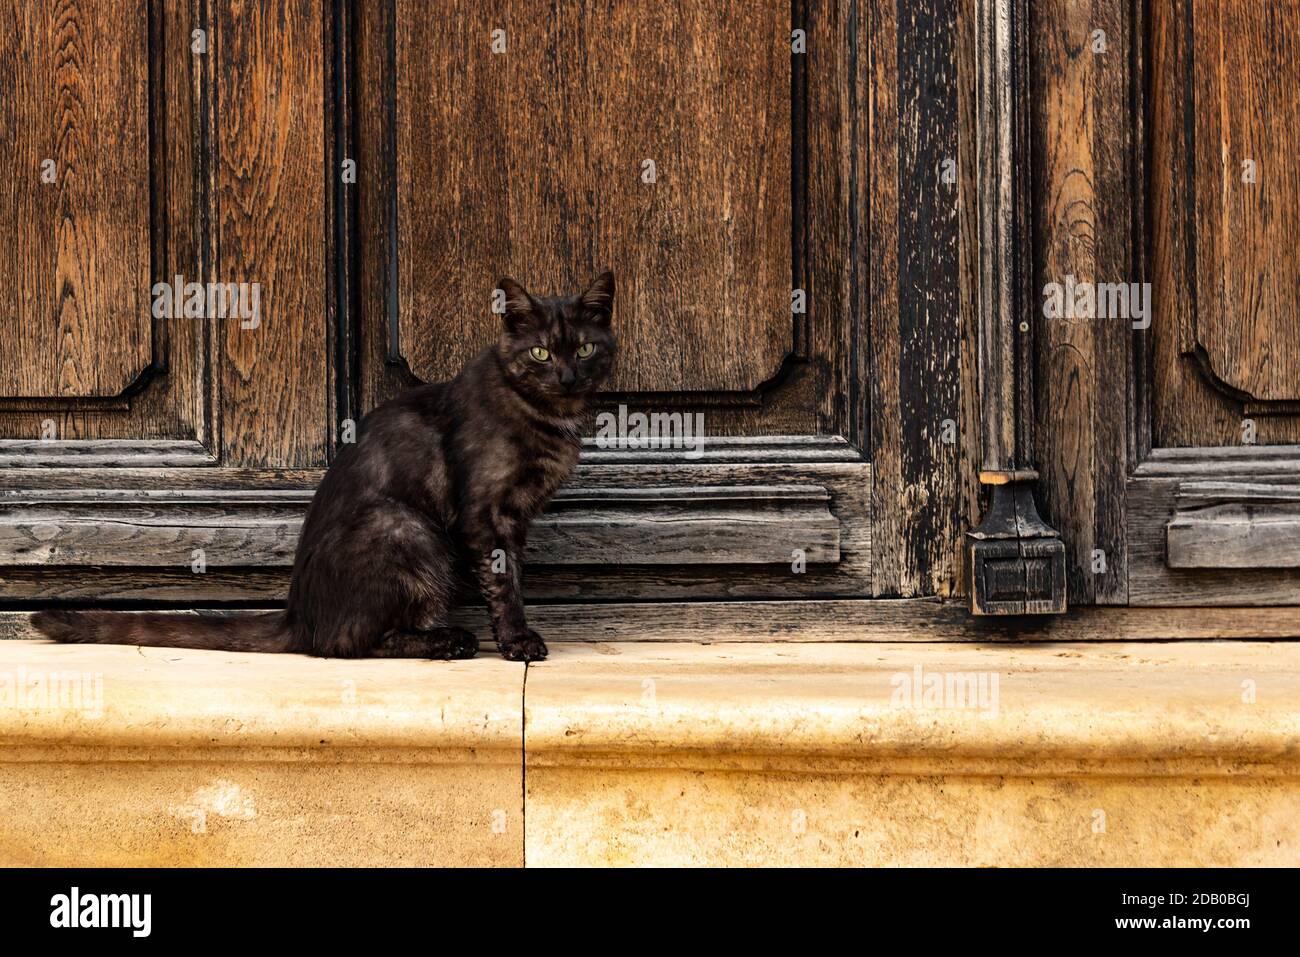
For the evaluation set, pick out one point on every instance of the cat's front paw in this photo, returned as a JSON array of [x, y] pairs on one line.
[[525, 645]]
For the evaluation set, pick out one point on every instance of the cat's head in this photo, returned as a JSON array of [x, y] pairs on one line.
[[558, 348]]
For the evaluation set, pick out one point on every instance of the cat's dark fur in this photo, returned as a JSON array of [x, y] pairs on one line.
[[440, 486]]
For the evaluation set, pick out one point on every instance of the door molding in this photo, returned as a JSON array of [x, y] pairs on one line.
[[584, 526], [1015, 560], [631, 523], [177, 374], [1203, 524], [803, 420]]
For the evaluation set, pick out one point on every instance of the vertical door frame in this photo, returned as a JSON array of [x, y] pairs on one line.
[[1015, 560]]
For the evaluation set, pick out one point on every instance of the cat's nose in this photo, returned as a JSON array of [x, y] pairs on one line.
[[567, 378]]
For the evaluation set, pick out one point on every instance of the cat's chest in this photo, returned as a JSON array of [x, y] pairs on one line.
[[529, 467]]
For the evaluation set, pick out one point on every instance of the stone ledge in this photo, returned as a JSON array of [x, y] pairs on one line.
[[213, 758], [172, 698], [1162, 704], [1102, 754], [658, 753]]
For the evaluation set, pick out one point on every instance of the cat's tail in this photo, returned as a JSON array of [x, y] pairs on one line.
[[262, 632]]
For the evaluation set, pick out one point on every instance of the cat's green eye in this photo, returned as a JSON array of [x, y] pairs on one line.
[[586, 349], [540, 353]]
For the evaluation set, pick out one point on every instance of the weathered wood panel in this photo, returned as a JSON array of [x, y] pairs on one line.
[[1152, 504], [118, 534], [1221, 463], [662, 525], [1215, 259], [832, 336], [42, 585], [1222, 524], [172, 403], [889, 620], [837, 85], [825, 395], [270, 229], [1223, 258], [98, 453], [970, 492], [666, 525], [1083, 133], [921, 336], [1235, 536], [530, 162], [847, 482], [1246, 69], [75, 197], [1000, 32], [857, 621]]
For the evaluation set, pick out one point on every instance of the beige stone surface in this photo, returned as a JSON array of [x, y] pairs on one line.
[[117, 755], [629, 817], [164, 696], [1117, 754], [1182, 753]]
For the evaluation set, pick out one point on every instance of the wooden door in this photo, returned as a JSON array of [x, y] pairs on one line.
[[1170, 443], [1224, 350], [152, 145], [673, 143], [782, 188]]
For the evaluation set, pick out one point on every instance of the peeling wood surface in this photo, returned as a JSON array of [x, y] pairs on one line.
[[924, 406]]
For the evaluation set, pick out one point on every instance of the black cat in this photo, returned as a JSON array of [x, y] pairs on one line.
[[440, 486]]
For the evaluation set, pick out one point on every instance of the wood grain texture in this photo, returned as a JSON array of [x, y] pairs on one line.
[[115, 534], [848, 485], [1246, 71], [529, 163], [1242, 524], [971, 493], [173, 401], [1152, 504], [98, 453], [889, 620], [155, 476], [918, 328], [920, 620], [1083, 134], [270, 229], [75, 317], [1000, 106], [42, 584], [1223, 252], [687, 525], [824, 395], [611, 526], [837, 211], [1235, 535], [892, 575], [831, 343]]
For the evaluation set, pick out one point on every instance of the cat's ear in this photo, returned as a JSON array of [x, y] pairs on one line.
[[520, 311], [598, 300]]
